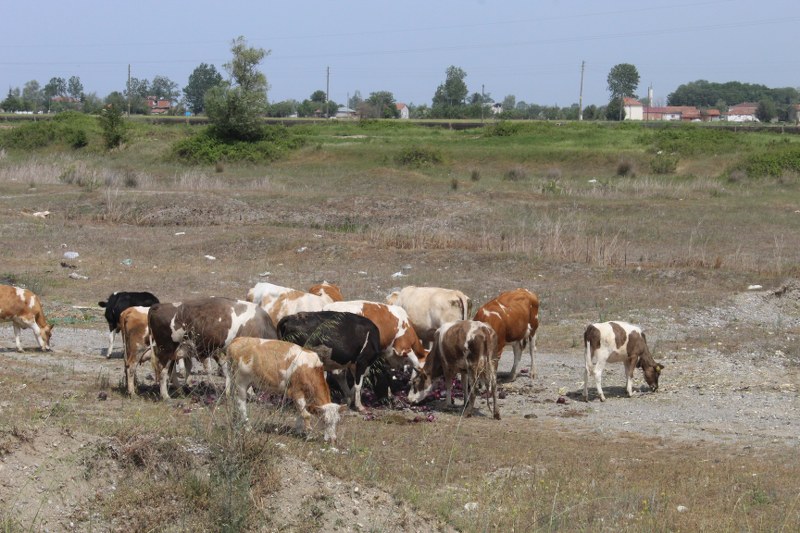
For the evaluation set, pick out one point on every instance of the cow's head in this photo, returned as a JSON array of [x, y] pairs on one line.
[[651, 369], [421, 386], [47, 332]]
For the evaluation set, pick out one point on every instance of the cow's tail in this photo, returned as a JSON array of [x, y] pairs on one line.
[[102, 304]]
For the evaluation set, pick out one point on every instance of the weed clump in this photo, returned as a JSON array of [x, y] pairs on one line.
[[517, 173], [664, 163], [625, 168], [772, 164], [502, 129], [417, 156], [475, 175], [208, 148]]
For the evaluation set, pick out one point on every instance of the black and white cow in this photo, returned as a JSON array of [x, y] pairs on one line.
[[613, 342], [116, 304], [202, 327], [353, 339]]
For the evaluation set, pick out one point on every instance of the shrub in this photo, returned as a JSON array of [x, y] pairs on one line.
[[773, 163], [516, 174], [454, 184], [625, 168], [113, 126], [475, 175], [502, 129], [664, 164], [206, 148], [690, 139], [417, 156]]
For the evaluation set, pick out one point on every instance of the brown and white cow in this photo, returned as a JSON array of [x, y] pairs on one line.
[[136, 342], [430, 307], [327, 290], [284, 368], [467, 347], [23, 309], [292, 302], [514, 316], [612, 342], [202, 327], [399, 342], [262, 289]]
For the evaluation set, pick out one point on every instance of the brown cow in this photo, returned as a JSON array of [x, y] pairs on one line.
[[467, 347], [24, 310], [288, 369], [514, 316], [136, 340], [327, 290]]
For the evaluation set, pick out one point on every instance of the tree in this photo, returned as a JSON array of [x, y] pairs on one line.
[[615, 110], [202, 78], [136, 94], [623, 79], [383, 104], [13, 101], [450, 96], [164, 88], [75, 88], [509, 102], [32, 96], [236, 107], [113, 126], [766, 110], [354, 100]]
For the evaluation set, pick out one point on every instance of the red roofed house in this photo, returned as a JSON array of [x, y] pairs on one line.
[[744, 112], [403, 110], [634, 110], [158, 107]]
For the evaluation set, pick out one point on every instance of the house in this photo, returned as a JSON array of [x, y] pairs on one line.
[[634, 110], [744, 112], [402, 109], [682, 113], [345, 112], [157, 106]]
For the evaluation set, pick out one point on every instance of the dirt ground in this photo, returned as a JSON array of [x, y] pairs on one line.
[[731, 377]]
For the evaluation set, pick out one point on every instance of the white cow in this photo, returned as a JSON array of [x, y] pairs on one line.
[[430, 307]]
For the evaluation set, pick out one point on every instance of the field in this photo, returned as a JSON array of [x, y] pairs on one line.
[[666, 228]]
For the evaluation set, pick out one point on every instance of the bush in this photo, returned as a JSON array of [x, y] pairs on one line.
[[206, 148], [773, 163], [502, 129], [664, 164], [625, 168], [113, 126], [690, 139], [475, 175], [516, 174], [417, 156]]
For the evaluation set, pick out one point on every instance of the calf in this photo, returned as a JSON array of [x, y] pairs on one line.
[[24, 310], [430, 307], [353, 339], [514, 316], [203, 327], [288, 369], [467, 347], [612, 342], [136, 341], [399, 342], [116, 304]]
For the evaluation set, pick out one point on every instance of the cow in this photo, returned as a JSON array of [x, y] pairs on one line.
[[399, 342], [430, 307], [293, 302], [612, 342], [262, 289], [23, 309], [514, 316], [287, 369], [136, 342], [467, 347], [327, 290], [202, 327], [353, 339], [116, 304]]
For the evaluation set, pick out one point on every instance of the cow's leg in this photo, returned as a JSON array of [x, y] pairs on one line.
[[587, 369], [111, 335], [517, 347], [227, 373], [598, 374], [532, 348], [242, 385], [303, 422], [17, 335], [358, 383], [341, 379], [629, 369], [470, 392], [163, 375]]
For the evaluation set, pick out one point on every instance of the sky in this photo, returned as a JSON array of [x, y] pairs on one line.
[[531, 49]]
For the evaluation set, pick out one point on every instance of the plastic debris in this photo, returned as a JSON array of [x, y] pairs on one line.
[[126, 262], [71, 255], [754, 287], [302, 249], [209, 257], [75, 275], [180, 233], [398, 274]]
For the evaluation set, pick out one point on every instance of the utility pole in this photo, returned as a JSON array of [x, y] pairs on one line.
[[129, 89], [482, 103], [580, 98], [327, 89]]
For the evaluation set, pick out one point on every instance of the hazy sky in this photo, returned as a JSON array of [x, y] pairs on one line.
[[531, 49]]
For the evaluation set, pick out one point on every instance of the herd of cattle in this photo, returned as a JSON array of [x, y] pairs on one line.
[[285, 340]]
